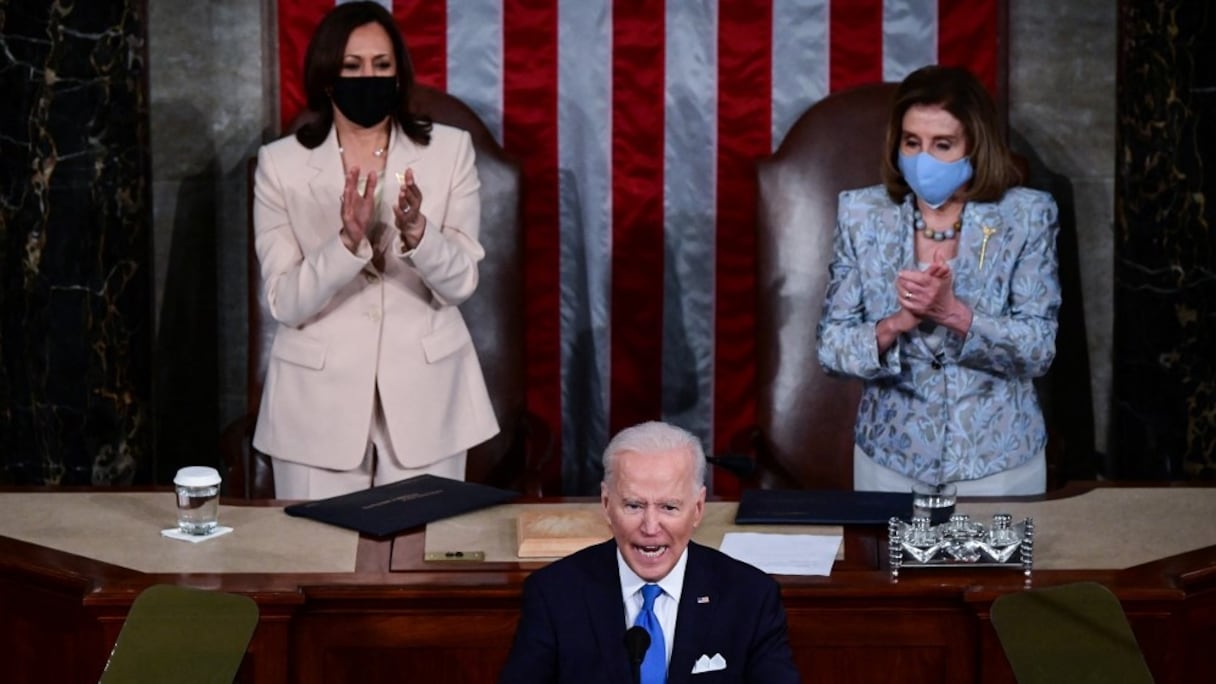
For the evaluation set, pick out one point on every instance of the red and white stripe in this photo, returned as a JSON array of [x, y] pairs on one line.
[[638, 124]]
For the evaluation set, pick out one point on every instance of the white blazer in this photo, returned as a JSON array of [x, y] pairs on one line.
[[344, 328]]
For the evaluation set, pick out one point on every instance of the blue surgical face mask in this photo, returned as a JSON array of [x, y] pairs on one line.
[[933, 180]]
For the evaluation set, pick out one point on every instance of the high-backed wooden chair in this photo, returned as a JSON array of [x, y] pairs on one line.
[[804, 432], [494, 315]]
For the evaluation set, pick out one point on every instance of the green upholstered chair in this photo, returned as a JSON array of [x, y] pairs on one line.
[[1075, 633], [182, 635]]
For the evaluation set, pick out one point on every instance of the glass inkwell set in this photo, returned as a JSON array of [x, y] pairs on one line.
[[959, 541]]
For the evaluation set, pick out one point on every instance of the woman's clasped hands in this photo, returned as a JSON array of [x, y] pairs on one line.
[[929, 295]]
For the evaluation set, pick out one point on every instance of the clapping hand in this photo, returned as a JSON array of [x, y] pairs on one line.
[[358, 211], [408, 211], [929, 293]]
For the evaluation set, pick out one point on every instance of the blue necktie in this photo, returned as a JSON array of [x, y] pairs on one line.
[[654, 666]]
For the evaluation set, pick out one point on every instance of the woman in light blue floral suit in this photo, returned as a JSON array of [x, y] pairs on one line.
[[943, 297]]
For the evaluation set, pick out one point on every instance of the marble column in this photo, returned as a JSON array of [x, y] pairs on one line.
[[1165, 242], [75, 295]]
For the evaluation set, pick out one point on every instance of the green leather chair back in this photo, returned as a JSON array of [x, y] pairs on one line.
[[1075, 633], [182, 635]]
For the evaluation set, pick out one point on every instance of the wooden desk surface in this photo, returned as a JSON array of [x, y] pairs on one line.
[[451, 622]]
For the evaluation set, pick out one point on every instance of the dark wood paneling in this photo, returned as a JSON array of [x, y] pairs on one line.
[[431, 622]]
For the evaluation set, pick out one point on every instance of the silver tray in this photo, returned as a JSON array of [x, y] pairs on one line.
[[961, 542]]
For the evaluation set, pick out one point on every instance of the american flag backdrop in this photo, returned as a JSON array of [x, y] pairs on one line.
[[638, 124]]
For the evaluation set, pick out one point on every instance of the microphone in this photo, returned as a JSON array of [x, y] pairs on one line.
[[637, 640]]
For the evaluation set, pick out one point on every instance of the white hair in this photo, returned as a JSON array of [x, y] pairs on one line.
[[655, 437]]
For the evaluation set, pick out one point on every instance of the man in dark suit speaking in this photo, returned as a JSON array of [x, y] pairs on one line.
[[651, 606]]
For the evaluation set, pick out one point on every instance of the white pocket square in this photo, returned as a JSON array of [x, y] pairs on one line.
[[707, 664]]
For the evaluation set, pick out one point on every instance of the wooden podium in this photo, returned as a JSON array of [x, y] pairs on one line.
[[397, 617]]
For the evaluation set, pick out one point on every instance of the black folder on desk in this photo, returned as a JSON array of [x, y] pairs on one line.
[[821, 507], [393, 508]]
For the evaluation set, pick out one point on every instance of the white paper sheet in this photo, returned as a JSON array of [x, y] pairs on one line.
[[784, 554]]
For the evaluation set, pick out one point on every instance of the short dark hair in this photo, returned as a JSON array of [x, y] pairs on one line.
[[323, 65], [959, 92]]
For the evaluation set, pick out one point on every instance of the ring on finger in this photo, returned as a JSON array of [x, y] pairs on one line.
[[907, 295]]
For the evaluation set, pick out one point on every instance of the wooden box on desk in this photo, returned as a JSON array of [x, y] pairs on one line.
[[556, 534]]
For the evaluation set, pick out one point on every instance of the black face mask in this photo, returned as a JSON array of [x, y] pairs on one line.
[[366, 100]]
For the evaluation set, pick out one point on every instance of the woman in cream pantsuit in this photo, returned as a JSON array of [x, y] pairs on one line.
[[366, 226]]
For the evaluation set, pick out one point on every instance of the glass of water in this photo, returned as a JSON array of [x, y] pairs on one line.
[[198, 499], [934, 501]]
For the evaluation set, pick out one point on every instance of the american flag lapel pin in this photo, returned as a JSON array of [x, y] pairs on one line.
[[702, 599]]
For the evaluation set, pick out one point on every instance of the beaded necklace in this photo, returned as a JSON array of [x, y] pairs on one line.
[[948, 234]]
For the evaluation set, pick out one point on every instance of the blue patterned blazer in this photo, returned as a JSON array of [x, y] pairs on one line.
[[965, 408]]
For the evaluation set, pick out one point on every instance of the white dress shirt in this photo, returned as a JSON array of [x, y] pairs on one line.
[[666, 606]]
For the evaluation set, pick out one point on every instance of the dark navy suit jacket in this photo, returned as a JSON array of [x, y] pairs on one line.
[[573, 623]]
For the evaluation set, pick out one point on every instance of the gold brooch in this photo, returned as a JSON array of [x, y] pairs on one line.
[[989, 231]]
